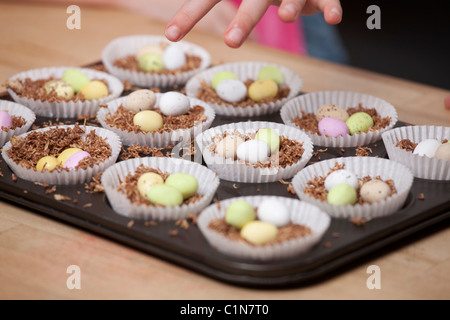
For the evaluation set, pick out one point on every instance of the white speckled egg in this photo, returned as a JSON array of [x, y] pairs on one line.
[[427, 148], [140, 100], [274, 211], [174, 57], [174, 103], [231, 90], [253, 151], [340, 177]]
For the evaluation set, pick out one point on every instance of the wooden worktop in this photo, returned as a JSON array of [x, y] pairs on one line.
[[35, 251]]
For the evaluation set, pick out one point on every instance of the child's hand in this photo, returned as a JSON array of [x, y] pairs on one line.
[[248, 15]]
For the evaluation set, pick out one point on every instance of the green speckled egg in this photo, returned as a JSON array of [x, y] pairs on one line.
[[239, 213], [222, 75], [341, 195], [359, 122], [270, 137], [151, 62], [165, 195], [272, 73], [185, 183]]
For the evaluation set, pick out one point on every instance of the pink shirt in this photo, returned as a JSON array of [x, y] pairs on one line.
[[273, 32]]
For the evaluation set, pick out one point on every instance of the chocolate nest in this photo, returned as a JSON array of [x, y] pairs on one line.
[[316, 187], [17, 122], [207, 93], [285, 233], [123, 120], [130, 189], [35, 90], [26, 151], [291, 151], [309, 123], [131, 63]]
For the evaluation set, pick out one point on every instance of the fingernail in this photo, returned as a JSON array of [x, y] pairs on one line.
[[336, 11], [292, 8], [235, 35], [173, 33]]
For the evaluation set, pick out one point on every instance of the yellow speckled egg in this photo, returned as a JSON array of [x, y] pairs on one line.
[[147, 181], [94, 90], [263, 89], [61, 88], [150, 48], [66, 154], [259, 232], [47, 163], [148, 120]]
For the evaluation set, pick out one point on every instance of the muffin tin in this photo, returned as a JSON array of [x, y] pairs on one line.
[[344, 244]]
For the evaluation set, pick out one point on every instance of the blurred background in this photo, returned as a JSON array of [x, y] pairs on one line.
[[413, 42]]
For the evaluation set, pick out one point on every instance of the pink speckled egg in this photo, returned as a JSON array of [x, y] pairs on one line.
[[333, 127], [75, 159], [5, 120]]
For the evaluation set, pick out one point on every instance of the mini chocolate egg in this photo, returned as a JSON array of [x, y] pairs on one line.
[[333, 127], [222, 75], [331, 111], [427, 147], [227, 146], [174, 103], [239, 213], [231, 90], [341, 195], [94, 90], [259, 232], [146, 181], [151, 62], [443, 152], [5, 119], [270, 137], [262, 89], [148, 120], [66, 154], [149, 49], [375, 191], [274, 211], [74, 160], [47, 163], [185, 183], [75, 78], [340, 177], [253, 151], [359, 122], [61, 89], [165, 195], [140, 100], [272, 73], [174, 57]]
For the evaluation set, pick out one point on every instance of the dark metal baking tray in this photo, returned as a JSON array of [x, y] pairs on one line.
[[345, 243]]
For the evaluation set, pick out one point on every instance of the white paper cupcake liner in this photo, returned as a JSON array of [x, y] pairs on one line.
[[302, 213], [361, 166], [67, 177], [156, 139], [207, 180], [244, 71], [311, 102], [15, 109], [66, 109], [130, 45], [238, 171], [421, 166]]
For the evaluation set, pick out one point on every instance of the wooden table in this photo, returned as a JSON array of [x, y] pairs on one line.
[[35, 251]]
